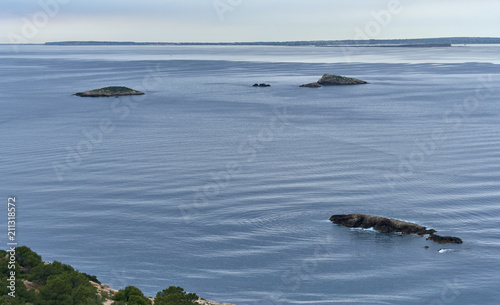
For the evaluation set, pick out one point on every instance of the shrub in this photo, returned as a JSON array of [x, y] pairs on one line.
[[92, 278], [69, 288], [138, 300], [42, 272], [175, 296], [132, 296], [57, 291], [27, 258]]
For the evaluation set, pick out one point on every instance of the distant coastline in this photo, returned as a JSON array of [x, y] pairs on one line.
[[415, 43], [408, 43]]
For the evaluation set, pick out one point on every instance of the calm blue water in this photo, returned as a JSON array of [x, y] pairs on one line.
[[226, 190]]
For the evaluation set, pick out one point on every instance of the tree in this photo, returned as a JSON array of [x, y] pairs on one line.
[[68, 288], [57, 291], [61, 284], [175, 296], [138, 300], [83, 293], [22, 295], [62, 267], [27, 258], [132, 296], [4, 266], [92, 278], [42, 272]]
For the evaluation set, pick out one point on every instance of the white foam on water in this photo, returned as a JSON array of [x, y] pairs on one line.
[[444, 250]]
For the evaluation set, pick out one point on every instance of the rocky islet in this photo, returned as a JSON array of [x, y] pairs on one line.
[[387, 225]]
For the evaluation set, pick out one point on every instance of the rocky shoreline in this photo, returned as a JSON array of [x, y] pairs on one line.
[[103, 288]]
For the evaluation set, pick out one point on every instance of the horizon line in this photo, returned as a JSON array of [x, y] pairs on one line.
[[243, 42]]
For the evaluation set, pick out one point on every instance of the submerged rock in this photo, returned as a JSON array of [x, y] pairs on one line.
[[445, 239], [109, 91], [261, 85], [386, 225]]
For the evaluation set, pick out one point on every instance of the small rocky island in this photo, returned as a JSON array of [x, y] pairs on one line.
[[108, 92], [387, 225], [261, 85], [334, 80]]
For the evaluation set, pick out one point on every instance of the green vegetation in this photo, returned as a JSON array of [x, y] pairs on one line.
[[41, 283], [175, 296], [41, 273], [57, 283], [130, 296], [27, 258], [68, 288]]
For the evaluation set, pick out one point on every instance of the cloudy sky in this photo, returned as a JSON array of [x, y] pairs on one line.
[[36, 21]]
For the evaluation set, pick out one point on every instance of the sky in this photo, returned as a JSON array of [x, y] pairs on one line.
[[39, 21]]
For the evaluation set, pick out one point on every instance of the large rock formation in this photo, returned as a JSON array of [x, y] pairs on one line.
[[109, 91], [387, 225], [381, 224], [334, 80]]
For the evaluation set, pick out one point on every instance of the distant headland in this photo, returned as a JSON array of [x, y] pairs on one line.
[[412, 43]]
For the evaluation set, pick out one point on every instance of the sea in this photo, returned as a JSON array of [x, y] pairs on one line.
[[226, 189]]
